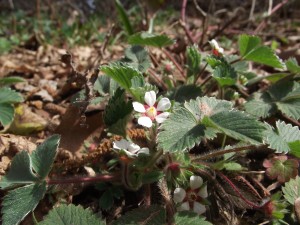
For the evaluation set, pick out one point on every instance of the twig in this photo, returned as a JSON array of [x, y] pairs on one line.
[[157, 79], [174, 62], [200, 73], [183, 24], [206, 80], [252, 10], [291, 120], [204, 14]]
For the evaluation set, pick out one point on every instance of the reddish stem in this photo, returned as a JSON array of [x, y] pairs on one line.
[[157, 79], [174, 62], [183, 24], [75, 180]]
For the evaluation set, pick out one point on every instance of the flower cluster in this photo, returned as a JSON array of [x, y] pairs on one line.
[[151, 110], [193, 197], [217, 50]]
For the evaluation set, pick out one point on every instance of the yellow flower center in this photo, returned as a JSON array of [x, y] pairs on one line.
[[151, 112]]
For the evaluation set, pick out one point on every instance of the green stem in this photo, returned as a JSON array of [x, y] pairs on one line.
[[154, 158], [224, 140]]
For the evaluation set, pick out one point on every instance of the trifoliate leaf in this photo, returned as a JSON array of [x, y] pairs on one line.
[[20, 171], [185, 93], [260, 105], [137, 57], [193, 60], [292, 65], [7, 112], [153, 215], [181, 131], [10, 80], [147, 39], [121, 73], [124, 18], [71, 215], [190, 218], [9, 96], [44, 155], [280, 138], [251, 49], [247, 43], [19, 202], [291, 190], [117, 112], [236, 124]]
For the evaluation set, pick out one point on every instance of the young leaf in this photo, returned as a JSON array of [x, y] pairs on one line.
[[147, 39], [117, 112], [280, 138], [295, 148], [190, 218], [193, 60], [181, 131], [291, 190], [121, 73], [19, 202], [10, 80], [236, 124], [292, 65], [137, 57], [20, 171], [225, 74], [251, 49], [153, 215], [44, 155], [9, 96], [139, 88], [71, 214], [102, 85], [6, 114], [124, 17]]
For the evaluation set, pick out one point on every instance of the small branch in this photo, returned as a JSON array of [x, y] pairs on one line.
[[208, 78], [222, 152], [174, 62], [291, 120], [183, 24], [204, 14], [157, 79], [76, 180], [201, 72]]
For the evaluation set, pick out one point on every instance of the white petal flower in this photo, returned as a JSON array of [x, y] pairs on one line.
[[199, 208], [162, 117], [150, 98], [179, 195], [163, 104], [145, 121], [203, 192], [214, 44], [129, 148], [138, 107], [122, 144], [184, 207], [195, 182]]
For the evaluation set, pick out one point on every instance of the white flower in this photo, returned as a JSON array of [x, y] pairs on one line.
[[152, 111], [131, 149], [191, 198], [217, 50]]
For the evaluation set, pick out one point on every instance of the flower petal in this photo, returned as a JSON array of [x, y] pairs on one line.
[[183, 207], [203, 192], [162, 117], [179, 195], [214, 44], [122, 144], [163, 104], [143, 151], [195, 182], [138, 107], [145, 121], [150, 98], [199, 208], [130, 154], [133, 148]]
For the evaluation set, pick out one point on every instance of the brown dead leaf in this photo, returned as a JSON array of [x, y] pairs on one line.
[[10, 144]]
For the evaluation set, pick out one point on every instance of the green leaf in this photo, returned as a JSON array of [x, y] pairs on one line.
[[236, 124], [9, 96], [124, 17], [153, 215], [291, 190], [147, 39], [117, 112], [193, 60], [121, 73], [19, 202], [248, 43], [185, 93], [292, 65], [11, 80], [71, 215], [20, 171], [251, 49], [260, 105], [225, 74], [190, 218], [138, 92], [7, 112], [295, 148], [180, 131], [280, 138], [232, 166], [102, 85], [106, 200], [137, 57], [44, 155]]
